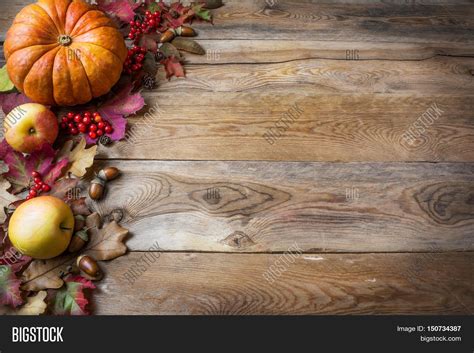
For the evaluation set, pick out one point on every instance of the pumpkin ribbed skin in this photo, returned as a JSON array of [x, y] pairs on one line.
[[63, 52]]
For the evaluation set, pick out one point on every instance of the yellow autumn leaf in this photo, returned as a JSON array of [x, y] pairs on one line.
[[79, 157], [5, 197], [35, 305]]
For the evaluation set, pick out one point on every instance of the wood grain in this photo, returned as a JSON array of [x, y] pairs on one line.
[[422, 283], [393, 21], [267, 206], [352, 111]]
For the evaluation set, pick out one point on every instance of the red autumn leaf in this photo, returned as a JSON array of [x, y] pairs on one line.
[[9, 287], [70, 299], [173, 67], [120, 105], [123, 9], [21, 167], [8, 101]]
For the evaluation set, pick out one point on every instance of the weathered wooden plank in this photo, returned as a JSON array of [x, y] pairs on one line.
[[267, 206], [394, 21], [175, 283], [349, 111], [270, 51]]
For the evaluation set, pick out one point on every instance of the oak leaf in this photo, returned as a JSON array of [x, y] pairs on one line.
[[105, 243], [70, 299], [80, 158], [173, 67], [10, 293], [5, 197], [35, 305]]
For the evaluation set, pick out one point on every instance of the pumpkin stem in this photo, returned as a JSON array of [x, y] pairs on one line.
[[64, 40]]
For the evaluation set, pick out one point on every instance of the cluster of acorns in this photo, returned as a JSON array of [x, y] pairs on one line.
[[97, 187], [86, 123], [87, 263], [38, 187]]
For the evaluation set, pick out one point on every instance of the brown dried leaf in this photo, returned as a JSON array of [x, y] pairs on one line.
[[45, 274], [79, 157], [105, 243], [5, 197], [35, 305]]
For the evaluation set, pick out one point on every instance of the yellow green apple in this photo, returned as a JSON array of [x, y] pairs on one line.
[[29, 126], [41, 227]]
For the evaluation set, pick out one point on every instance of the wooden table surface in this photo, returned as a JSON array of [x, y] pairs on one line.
[[385, 227]]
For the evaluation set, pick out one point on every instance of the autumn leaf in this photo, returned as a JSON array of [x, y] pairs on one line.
[[105, 243], [114, 110], [45, 274], [5, 197], [10, 256], [9, 101], [79, 157], [201, 12], [64, 189], [5, 83], [173, 67], [21, 167], [122, 9], [35, 305], [9, 287], [70, 299]]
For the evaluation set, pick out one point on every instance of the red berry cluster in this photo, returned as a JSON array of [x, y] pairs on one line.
[[39, 186], [87, 123], [134, 60], [148, 25]]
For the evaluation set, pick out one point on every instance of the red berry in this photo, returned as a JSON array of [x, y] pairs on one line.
[[109, 129], [92, 135], [28, 197], [95, 114], [152, 23], [64, 119], [131, 36], [37, 180], [71, 125], [35, 174], [63, 126], [33, 193], [82, 127], [74, 131], [77, 118], [93, 127], [70, 115], [87, 114], [100, 124], [100, 132], [46, 188], [98, 119], [86, 120]]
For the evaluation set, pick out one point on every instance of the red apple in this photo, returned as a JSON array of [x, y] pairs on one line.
[[29, 126], [41, 227]]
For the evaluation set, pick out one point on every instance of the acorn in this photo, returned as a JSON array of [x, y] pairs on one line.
[[185, 31], [96, 189], [79, 222], [167, 36], [109, 173], [88, 265], [79, 239]]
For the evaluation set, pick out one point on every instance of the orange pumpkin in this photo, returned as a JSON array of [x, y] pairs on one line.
[[63, 52]]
